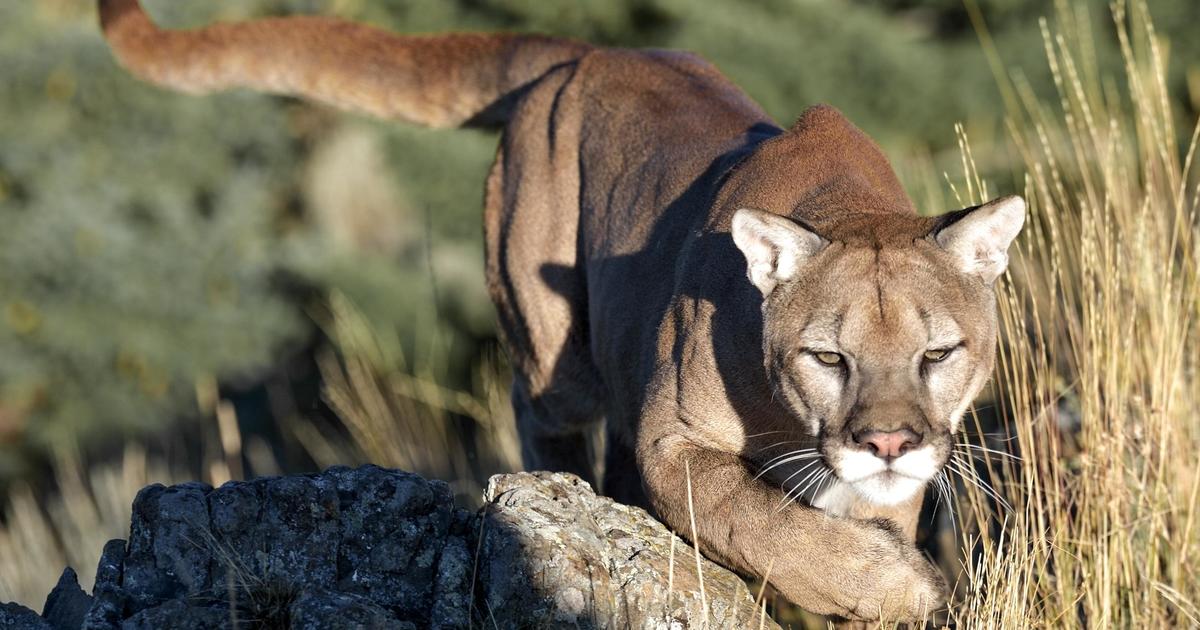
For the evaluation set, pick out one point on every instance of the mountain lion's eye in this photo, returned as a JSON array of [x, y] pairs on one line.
[[936, 355], [829, 358]]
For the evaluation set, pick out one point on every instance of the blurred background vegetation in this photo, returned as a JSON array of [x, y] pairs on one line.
[[244, 284]]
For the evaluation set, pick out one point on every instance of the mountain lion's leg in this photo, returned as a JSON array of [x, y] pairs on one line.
[[548, 443], [622, 481], [531, 223], [836, 566]]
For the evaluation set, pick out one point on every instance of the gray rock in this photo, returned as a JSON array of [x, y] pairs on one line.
[[452, 588], [178, 615], [377, 548], [108, 596], [276, 529], [67, 604], [323, 610], [18, 617], [554, 554], [392, 534], [170, 545]]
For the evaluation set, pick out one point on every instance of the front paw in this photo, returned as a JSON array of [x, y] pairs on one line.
[[898, 583]]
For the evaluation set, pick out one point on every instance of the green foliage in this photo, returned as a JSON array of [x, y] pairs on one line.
[[141, 232], [138, 243]]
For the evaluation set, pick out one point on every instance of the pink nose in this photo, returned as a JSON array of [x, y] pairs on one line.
[[888, 444]]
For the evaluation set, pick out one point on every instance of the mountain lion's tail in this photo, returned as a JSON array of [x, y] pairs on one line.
[[437, 80]]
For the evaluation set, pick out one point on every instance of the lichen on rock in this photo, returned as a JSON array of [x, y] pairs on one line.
[[376, 548]]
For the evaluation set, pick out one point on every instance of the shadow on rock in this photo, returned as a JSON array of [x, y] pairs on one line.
[[377, 548]]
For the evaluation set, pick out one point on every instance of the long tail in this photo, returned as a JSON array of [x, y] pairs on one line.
[[467, 79]]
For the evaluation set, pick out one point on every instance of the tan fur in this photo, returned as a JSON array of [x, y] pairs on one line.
[[623, 297], [439, 81]]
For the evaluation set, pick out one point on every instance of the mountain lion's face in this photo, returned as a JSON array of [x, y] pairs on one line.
[[877, 340]]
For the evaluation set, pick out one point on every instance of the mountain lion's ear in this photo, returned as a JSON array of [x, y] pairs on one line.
[[979, 237], [775, 247]]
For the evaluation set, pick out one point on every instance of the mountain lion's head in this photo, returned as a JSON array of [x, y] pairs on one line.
[[879, 331]]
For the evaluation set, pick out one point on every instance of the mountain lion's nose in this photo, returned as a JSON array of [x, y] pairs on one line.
[[888, 444]]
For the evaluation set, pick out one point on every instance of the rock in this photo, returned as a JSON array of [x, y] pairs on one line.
[[108, 596], [178, 615], [323, 610], [377, 548], [554, 554], [452, 589], [18, 617], [67, 604], [294, 537], [170, 545], [392, 534]]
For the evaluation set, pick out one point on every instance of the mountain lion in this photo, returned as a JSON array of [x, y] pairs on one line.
[[769, 331]]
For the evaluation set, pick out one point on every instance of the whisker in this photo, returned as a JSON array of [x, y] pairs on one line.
[[952, 466], [791, 452], [968, 474], [816, 483], [798, 458], [787, 495], [993, 459], [786, 458], [990, 451], [994, 436], [754, 435], [781, 444], [944, 487], [829, 479], [802, 469], [774, 389], [937, 497]]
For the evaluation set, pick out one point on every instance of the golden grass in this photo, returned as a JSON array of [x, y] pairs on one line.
[[1098, 364], [393, 414], [402, 417], [40, 537]]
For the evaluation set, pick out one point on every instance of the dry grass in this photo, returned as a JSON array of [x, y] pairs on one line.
[[393, 414], [1098, 378], [400, 416], [1098, 365], [41, 537]]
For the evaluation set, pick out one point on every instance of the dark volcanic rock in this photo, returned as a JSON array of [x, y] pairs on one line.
[[108, 595], [392, 534], [67, 604], [170, 545], [294, 537], [18, 617], [452, 589], [317, 609], [377, 548], [178, 615]]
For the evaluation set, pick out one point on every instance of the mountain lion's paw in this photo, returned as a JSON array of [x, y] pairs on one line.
[[898, 582]]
